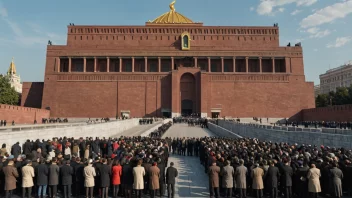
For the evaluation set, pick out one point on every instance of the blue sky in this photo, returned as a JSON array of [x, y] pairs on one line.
[[323, 26]]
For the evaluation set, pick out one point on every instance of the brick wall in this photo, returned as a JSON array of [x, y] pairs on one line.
[[333, 113], [22, 115], [32, 94]]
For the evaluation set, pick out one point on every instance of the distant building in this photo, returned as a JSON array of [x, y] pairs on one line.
[[316, 90], [337, 77], [15, 79]]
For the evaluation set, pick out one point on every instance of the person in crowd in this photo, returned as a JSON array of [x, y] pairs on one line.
[[16, 150], [89, 174], [287, 173], [54, 173], [227, 174], [105, 174], [27, 179], [116, 177], [11, 176], [301, 179], [171, 174], [257, 176], [3, 150], [272, 176], [314, 181], [127, 178], [154, 175], [241, 183], [336, 177], [138, 173], [42, 173], [213, 173], [66, 173]]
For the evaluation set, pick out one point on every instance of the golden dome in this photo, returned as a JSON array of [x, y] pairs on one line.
[[12, 68], [172, 17]]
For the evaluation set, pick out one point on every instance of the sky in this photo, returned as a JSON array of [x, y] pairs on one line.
[[322, 26]]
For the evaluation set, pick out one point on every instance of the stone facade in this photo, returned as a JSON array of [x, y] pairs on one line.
[[107, 71], [336, 77]]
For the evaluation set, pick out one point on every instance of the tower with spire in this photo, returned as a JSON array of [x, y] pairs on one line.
[[15, 80]]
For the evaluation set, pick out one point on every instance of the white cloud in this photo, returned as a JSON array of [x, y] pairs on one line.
[[328, 14], [317, 33], [3, 11], [267, 7], [281, 9], [296, 12], [315, 50], [251, 8], [339, 42]]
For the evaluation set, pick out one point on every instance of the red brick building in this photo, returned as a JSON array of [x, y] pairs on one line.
[[170, 66]]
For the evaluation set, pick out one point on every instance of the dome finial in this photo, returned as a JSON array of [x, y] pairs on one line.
[[12, 68], [172, 6]]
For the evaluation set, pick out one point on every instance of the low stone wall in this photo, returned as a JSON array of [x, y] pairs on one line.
[[107, 129], [276, 134], [22, 115], [220, 131]]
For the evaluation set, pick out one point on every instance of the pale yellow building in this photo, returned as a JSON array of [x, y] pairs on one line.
[[336, 77]]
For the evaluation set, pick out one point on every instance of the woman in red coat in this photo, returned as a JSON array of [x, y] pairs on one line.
[[116, 175]]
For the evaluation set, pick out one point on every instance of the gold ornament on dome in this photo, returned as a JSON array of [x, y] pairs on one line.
[[172, 17]]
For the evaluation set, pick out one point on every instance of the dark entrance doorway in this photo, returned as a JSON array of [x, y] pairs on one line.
[[186, 107], [215, 114], [187, 94]]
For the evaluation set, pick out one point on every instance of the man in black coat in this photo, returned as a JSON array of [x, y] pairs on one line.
[[27, 147], [171, 174], [42, 174], [161, 166], [127, 178], [105, 173], [16, 150], [301, 179], [66, 173], [79, 177], [271, 177], [287, 178]]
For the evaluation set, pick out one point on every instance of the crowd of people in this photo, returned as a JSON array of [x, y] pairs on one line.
[[192, 121], [322, 124], [253, 167], [129, 166], [89, 166], [146, 121]]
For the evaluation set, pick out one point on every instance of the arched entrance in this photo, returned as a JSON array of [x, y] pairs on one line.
[[187, 91]]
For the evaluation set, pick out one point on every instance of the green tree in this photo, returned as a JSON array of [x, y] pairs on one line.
[[8, 95], [341, 96], [322, 100], [349, 94]]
